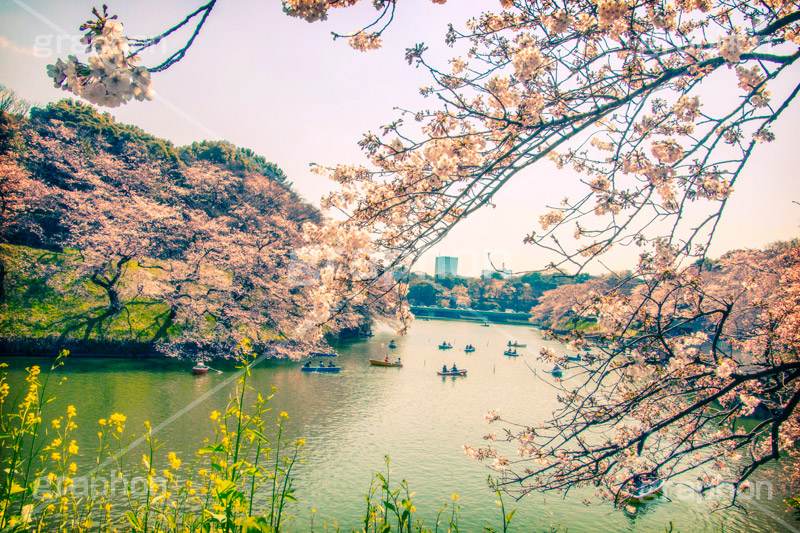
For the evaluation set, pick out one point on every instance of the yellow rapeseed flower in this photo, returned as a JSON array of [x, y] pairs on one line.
[[71, 411], [174, 462], [284, 415], [73, 448], [33, 371], [214, 415], [56, 423]]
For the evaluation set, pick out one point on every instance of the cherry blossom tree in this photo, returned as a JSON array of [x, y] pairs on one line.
[[193, 256], [683, 359]]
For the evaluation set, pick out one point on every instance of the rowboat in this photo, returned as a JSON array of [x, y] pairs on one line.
[[575, 358], [485, 324], [200, 368], [321, 368], [556, 372], [445, 346], [392, 345], [516, 345], [649, 487], [512, 353], [456, 373], [374, 362], [469, 349]]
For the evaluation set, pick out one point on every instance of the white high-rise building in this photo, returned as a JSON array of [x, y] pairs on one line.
[[446, 266]]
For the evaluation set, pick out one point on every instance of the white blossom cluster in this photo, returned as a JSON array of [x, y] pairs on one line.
[[110, 78]]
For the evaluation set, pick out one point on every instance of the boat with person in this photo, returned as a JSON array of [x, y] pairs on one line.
[[556, 371], [515, 344], [200, 368], [642, 487], [511, 353], [485, 325], [460, 372], [469, 348], [445, 346], [330, 368], [386, 362], [392, 344], [452, 371], [576, 358]]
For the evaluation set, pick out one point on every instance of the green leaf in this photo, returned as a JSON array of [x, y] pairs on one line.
[[211, 449], [259, 435], [214, 517], [134, 520], [256, 524]]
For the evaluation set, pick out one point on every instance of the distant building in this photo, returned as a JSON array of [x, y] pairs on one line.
[[490, 274], [446, 266], [419, 274]]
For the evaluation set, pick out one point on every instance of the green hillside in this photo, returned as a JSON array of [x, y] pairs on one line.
[[109, 234]]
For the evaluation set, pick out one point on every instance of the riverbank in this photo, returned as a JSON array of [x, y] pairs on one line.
[[51, 346], [471, 315]]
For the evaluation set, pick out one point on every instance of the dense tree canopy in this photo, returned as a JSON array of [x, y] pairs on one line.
[[187, 247]]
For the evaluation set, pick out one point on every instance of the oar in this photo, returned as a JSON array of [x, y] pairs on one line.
[[214, 369]]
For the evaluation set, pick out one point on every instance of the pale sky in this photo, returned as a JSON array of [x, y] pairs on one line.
[[283, 88]]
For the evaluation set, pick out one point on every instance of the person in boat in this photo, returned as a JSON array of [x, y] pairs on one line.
[[386, 359], [454, 369], [515, 351], [308, 364], [444, 369], [398, 361], [637, 482], [330, 364]]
